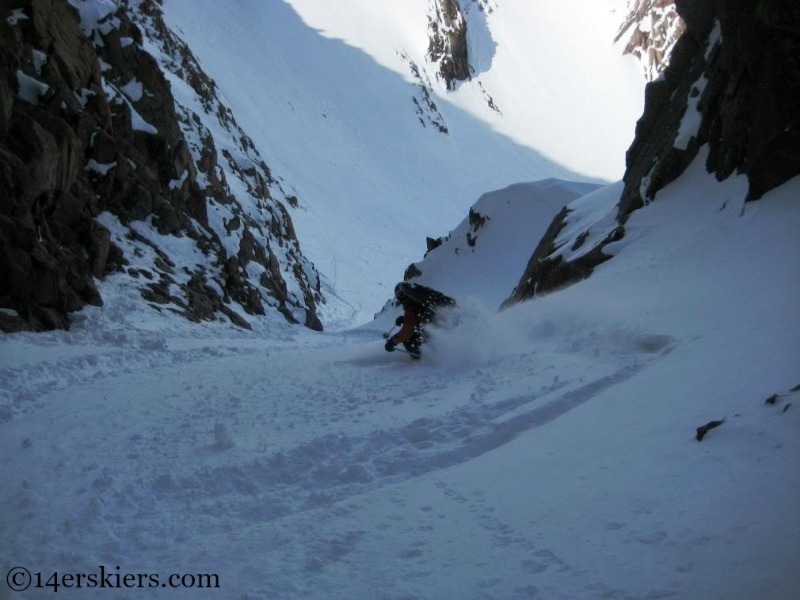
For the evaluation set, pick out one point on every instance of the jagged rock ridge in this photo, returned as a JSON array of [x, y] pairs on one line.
[[102, 171], [733, 83], [651, 29]]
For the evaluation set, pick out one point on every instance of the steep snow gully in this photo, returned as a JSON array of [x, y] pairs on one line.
[[544, 452]]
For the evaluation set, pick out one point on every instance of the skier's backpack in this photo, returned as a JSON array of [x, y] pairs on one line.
[[429, 299]]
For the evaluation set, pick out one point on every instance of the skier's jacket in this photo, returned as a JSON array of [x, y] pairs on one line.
[[412, 324], [420, 305]]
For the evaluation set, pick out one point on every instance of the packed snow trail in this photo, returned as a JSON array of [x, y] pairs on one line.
[[121, 447], [262, 461], [328, 421]]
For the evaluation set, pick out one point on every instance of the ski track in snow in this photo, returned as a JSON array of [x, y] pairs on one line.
[[310, 427], [544, 452]]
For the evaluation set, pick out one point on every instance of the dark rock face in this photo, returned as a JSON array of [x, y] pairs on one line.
[[50, 242], [733, 83], [755, 87], [99, 167], [447, 29], [741, 61]]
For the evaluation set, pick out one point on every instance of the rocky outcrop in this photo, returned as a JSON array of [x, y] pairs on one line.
[[733, 83], [447, 47], [501, 224], [102, 171], [449, 54], [56, 123], [423, 98], [650, 30]]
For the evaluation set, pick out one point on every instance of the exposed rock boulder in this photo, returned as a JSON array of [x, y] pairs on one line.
[[101, 168], [733, 83]]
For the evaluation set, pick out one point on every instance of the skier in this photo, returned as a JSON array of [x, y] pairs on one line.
[[419, 304]]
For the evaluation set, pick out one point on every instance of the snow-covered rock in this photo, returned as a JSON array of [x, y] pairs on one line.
[[121, 162], [483, 256], [447, 29], [650, 30]]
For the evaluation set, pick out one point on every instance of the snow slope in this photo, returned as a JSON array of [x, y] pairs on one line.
[[488, 251], [546, 451], [340, 102], [559, 84]]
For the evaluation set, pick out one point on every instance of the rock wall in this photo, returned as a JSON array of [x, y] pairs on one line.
[[101, 170], [736, 74], [733, 83]]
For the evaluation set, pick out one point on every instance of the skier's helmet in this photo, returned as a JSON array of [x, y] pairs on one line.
[[401, 291]]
